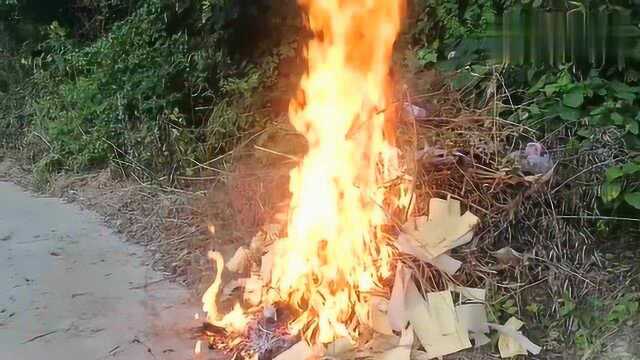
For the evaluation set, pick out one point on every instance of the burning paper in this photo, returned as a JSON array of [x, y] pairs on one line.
[[334, 251]]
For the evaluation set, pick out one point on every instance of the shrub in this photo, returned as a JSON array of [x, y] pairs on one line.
[[140, 96]]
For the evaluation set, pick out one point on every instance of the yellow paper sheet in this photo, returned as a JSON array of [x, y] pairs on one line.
[[435, 322], [444, 229]]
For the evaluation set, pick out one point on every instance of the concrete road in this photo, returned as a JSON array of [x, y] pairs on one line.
[[71, 289]]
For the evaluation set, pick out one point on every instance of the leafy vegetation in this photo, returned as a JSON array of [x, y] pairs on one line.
[[441, 25], [585, 114], [551, 98], [162, 88], [597, 319], [587, 109]]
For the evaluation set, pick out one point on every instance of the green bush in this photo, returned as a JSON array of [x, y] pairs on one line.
[[141, 96], [94, 98], [588, 110], [158, 84], [439, 26]]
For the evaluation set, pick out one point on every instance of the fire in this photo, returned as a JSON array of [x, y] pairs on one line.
[[335, 253], [235, 321]]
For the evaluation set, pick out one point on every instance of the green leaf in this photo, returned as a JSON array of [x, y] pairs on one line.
[[617, 118], [574, 99], [614, 173], [631, 168], [586, 132], [533, 308], [598, 111], [625, 96], [632, 127], [462, 79], [633, 307], [534, 109], [427, 56], [551, 89], [569, 114], [567, 308], [479, 69], [610, 191], [633, 199], [618, 86], [539, 84]]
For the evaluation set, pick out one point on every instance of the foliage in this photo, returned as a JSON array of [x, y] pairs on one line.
[[441, 25], [585, 34], [583, 110], [596, 318], [121, 85], [166, 86]]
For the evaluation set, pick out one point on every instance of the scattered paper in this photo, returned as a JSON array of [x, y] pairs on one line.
[[339, 348], [419, 355], [474, 319], [470, 294], [508, 257], [266, 265], [446, 264], [231, 287], [444, 228], [377, 345], [299, 351], [253, 291], [240, 260], [435, 322], [480, 339], [415, 111], [443, 262], [396, 311], [258, 243], [512, 342], [403, 350], [536, 160], [409, 245], [378, 312]]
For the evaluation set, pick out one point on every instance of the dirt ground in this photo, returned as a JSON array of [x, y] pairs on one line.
[[72, 289]]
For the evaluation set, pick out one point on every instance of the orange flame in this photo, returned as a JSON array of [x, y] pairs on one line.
[[235, 321], [334, 251]]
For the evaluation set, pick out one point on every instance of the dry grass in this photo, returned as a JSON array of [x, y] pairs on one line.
[[551, 220]]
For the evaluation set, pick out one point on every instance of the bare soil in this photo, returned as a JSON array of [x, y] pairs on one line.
[[72, 289]]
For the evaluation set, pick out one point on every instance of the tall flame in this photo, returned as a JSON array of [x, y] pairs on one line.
[[334, 252]]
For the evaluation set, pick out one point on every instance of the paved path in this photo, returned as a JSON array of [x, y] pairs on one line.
[[66, 289]]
